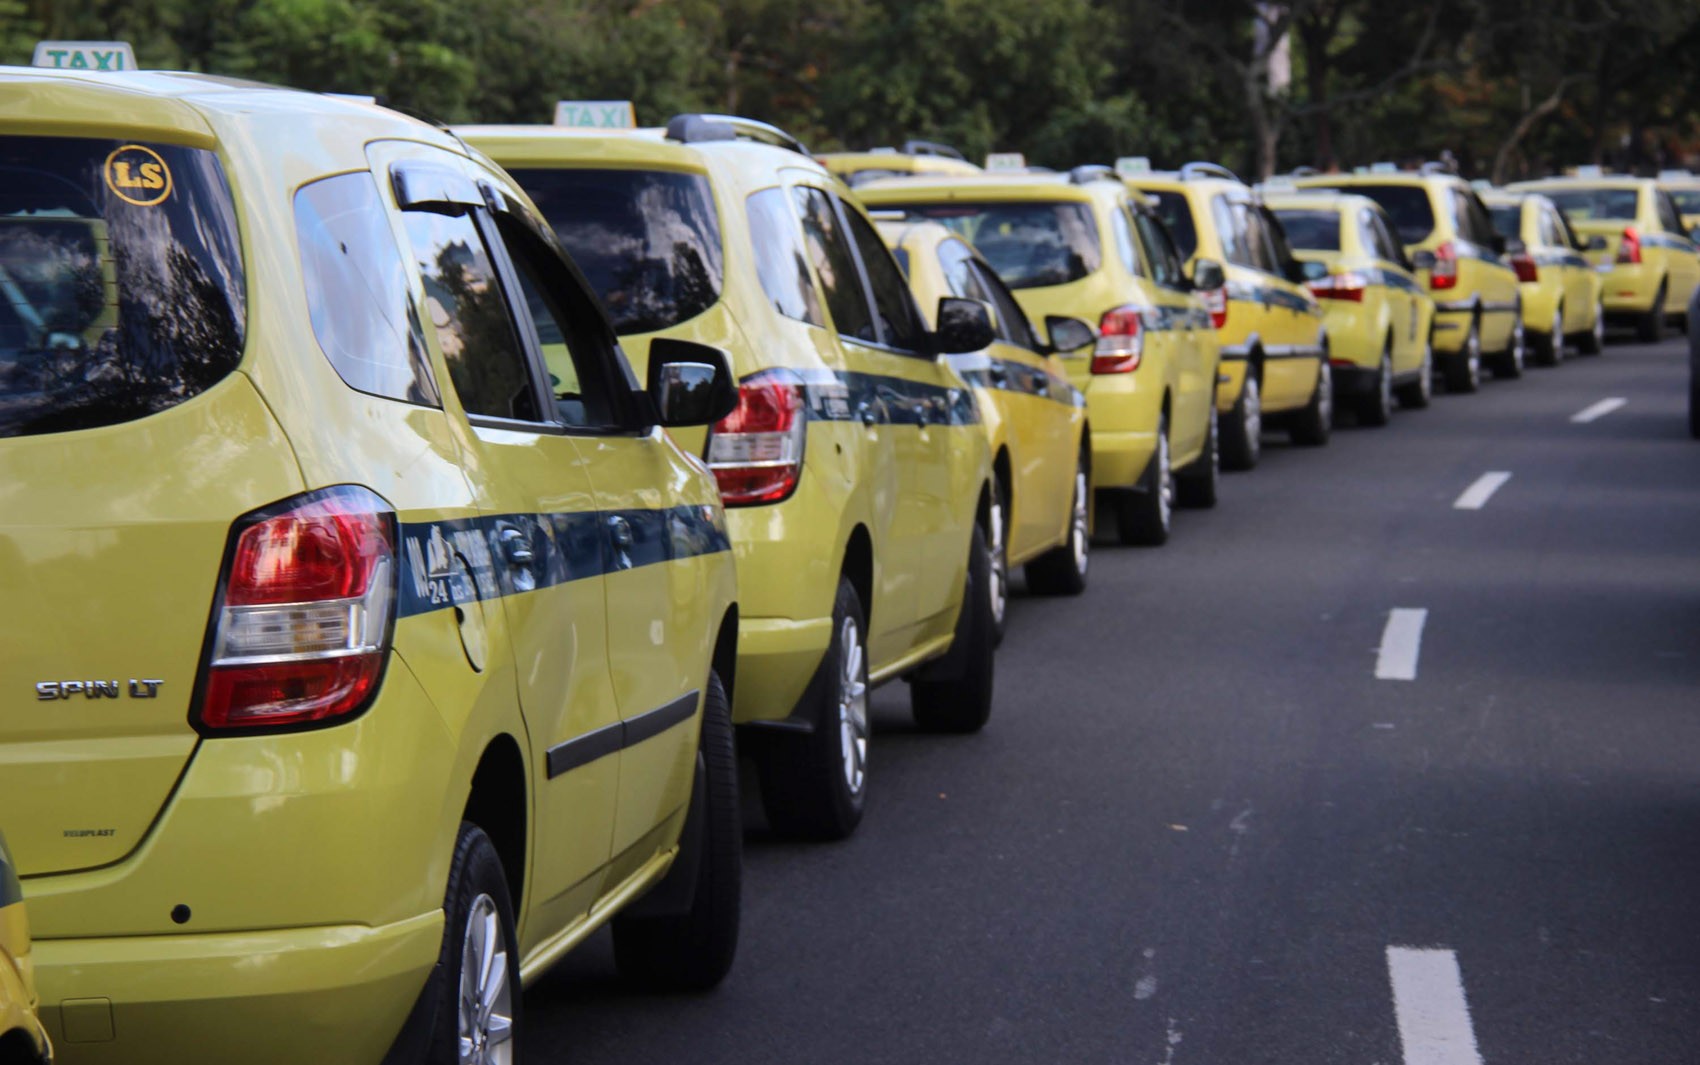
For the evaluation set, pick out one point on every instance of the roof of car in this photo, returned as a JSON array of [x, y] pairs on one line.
[[1297, 199], [1413, 178], [521, 144], [944, 188], [1605, 181]]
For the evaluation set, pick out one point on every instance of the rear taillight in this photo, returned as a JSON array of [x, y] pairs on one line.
[[756, 452], [1347, 286], [1444, 272], [302, 625], [1525, 266], [1216, 302], [1121, 341], [1629, 249]]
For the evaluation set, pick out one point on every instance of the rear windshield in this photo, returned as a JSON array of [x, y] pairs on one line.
[[1587, 205], [647, 240], [1407, 205], [1030, 245], [121, 285], [1311, 230], [1687, 200], [1176, 213], [1507, 219]]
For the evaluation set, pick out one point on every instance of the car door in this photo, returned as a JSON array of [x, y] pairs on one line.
[[1576, 277], [1195, 392], [1403, 293], [1288, 342], [1679, 253], [537, 540]]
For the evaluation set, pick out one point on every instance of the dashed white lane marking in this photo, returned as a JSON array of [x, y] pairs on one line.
[[1598, 410], [1428, 999], [1476, 496], [1401, 640]]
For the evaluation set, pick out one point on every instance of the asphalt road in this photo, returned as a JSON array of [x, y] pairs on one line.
[[1198, 822]]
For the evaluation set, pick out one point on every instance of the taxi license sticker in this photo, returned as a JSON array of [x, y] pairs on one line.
[[138, 175]]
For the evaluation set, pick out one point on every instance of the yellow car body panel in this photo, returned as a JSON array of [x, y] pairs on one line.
[[1273, 323], [18, 998], [1034, 418], [857, 167], [1178, 367], [1605, 207], [1433, 212], [1567, 290], [277, 896], [909, 492]]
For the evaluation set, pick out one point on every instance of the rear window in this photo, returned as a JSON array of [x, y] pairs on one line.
[[121, 284], [647, 240], [1407, 205], [1687, 200], [1587, 205], [1311, 230], [1507, 220], [1030, 245], [1176, 213]]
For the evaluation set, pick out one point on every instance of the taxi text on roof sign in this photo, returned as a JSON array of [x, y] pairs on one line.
[[85, 55], [1130, 165], [595, 114], [1006, 161]]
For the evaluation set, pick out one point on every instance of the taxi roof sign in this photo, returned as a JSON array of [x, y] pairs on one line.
[[1130, 165], [84, 55], [1006, 162], [595, 114], [1590, 170]]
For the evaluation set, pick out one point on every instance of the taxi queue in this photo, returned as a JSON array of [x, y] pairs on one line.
[[419, 523]]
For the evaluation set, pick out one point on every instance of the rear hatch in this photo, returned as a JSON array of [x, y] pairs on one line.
[[1598, 212], [127, 447]]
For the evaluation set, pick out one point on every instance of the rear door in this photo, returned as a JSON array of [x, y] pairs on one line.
[[128, 446], [1404, 295], [1196, 382], [1680, 254]]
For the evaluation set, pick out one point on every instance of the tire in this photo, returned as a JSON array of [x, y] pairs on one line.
[[1508, 364], [1062, 570], [1242, 434], [999, 522], [1376, 409], [1549, 349], [1416, 395], [954, 694], [1594, 340], [476, 1001], [815, 785], [693, 950], [1694, 409], [1196, 486], [1145, 516], [1310, 427], [1650, 327], [1464, 370]]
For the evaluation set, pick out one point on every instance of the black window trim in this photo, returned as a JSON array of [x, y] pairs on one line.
[[1181, 284], [839, 207]]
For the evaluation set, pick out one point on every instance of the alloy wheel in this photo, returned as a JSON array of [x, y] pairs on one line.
[[1251, 415], [486, 996], [1082, 533], [998, 576], [852, 706]]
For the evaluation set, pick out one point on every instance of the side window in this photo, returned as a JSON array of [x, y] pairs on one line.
[[463, 300], [1369, 235], [1280, 253], [1012, 320], [1391, 248], [782, 263], [1259, 252], [957, 262], [1552, 230], [357, 290], [900, 324], [1232, 231], [1160, 250], [1125, 244], [835, 266], [1669, 219]]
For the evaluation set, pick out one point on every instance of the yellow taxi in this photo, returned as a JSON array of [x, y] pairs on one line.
[[1379, 322], [1636, 239], [23, 1041], [1560, 287], [856, 475], [1684, 189], [1449, 236], [911, 158], [1080, 245], [1274, 342], [381, 638], [1035, 419]]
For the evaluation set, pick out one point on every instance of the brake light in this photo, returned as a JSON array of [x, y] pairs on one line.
[[1121, 341], [305, 613], [1629, 249], [1444, 272], [1347, 286], [1525, 266], [756, 452], [1216, 302]]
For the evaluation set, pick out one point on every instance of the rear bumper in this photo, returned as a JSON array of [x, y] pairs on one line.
[[1124, 410], [1351, 382], [1629, 289], [776, 659], [326, 995]]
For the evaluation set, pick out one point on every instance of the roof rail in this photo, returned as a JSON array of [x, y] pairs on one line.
[[1304, 171], [1188, 171], [1433, 167], [1088, 172], [920, 147], [699, 128]]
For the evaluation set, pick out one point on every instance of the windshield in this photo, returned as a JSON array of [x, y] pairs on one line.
[[648, 241], [1030, 245], [121, 286], [1311, 230], [1176, 213], [1407, 205], [1588, 205]]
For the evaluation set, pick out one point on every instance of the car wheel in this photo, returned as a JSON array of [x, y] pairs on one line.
[[1062, 570], [692, 950], [1549, 349], [1376, 408], [1416, 395], [815, 785], [1694, 409], [1145, 516], [1242, 434], [1196, 485], [1464, 370], [1508, 364], [478, 999], [1594, 340], [999, 524], [954, 694], [1311, 425], [1650, 327]]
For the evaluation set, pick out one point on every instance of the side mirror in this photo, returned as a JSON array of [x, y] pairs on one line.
[[1423, 260], [1069, 335], [1208, 275], [1312, 270], [1595, 243], [964, 326], [689, 383]]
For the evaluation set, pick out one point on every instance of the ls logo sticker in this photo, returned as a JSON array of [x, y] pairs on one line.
[[138, 175]]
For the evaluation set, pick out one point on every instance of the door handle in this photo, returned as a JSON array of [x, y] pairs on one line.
[[866, 414], [620, 531], [516, 546]]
